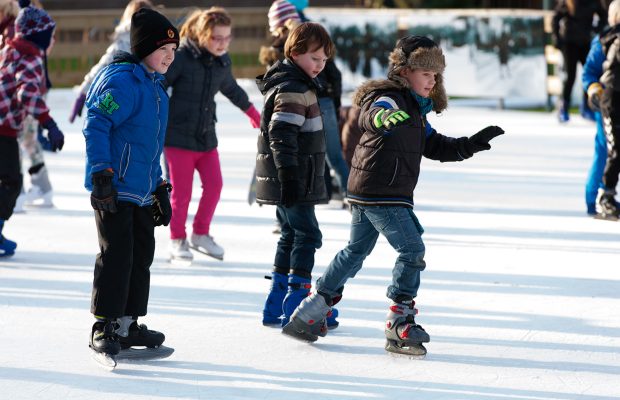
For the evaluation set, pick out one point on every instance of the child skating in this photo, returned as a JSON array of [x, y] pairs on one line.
[[290, 165], [124, 131], [384, 173]]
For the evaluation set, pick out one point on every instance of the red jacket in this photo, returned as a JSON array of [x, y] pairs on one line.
[[22, 85]]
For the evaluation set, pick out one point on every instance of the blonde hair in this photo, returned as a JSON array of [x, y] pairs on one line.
[[9, 8], [133, 6], [613, 16], [200, 23]]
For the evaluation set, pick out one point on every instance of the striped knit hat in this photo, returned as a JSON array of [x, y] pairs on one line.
[[279, 12], [31, 20]]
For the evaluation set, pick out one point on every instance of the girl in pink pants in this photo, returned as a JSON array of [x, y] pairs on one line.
[[201, 69]]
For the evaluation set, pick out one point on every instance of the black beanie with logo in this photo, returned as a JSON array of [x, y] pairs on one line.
[[149, 31]]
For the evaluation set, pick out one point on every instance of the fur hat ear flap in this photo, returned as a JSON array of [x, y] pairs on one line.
[[438, 95]]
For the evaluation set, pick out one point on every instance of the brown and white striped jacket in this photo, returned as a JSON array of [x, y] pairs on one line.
[[291, 137]]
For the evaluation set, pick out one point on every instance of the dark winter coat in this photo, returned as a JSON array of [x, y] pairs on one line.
[[125, 127], [291, 136], [573, 25], [610, 43], [195, 77], [386, 164]]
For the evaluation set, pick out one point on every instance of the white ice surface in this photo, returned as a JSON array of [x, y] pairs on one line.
[[521, 295]]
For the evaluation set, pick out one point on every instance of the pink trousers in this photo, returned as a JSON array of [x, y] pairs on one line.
[[181, 166]]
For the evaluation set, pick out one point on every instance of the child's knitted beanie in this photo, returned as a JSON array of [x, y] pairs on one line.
[[149, 31], [280, 12]]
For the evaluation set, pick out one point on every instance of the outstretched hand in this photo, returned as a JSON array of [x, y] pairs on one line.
[[480, 140]]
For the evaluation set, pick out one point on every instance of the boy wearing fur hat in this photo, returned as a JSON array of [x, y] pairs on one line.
[[23, 80], [384, 173], [124, 131]]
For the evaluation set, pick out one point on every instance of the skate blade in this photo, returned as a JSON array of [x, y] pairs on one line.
[[180, 262], [203, 251], [414, 352], [300, 331], [106, 361], [145, 353], [606, 217]]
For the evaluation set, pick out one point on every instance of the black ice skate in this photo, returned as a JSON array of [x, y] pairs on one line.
[[104, 342], [308, 321], [103, 338], [403, 335], [140, 343], [606, 205], [138, 335]]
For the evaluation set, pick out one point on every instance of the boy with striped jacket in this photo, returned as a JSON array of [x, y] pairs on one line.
[[290, 165]]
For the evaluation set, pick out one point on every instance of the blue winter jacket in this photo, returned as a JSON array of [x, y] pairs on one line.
[[593, 68], [125, 128]]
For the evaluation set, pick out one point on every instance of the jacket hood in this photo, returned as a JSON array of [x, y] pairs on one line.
[[362, 93], [284, 71]]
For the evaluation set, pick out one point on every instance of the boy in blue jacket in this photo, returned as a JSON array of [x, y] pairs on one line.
[[124, 131]]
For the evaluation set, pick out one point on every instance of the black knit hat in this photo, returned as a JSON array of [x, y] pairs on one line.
[[149, 31]]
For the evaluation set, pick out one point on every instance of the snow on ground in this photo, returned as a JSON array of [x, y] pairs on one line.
[[520, 296]]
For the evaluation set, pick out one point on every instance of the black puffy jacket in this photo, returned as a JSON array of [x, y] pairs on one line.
[[386, 165], [195, 77], [291, 135]]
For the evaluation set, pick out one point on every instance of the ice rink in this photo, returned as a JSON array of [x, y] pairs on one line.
[[521, 294]]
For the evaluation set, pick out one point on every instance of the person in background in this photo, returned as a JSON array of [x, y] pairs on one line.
[[606, 205], [23, 79], [120, 42], [202, 69], [592, 71], [329, 94], [571, 33]]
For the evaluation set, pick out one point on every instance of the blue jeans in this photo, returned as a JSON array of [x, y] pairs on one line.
[[300, 237], [595, 175], [335, 159], [403, 231]]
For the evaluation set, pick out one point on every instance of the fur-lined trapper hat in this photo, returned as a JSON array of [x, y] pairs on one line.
[[420, 52]]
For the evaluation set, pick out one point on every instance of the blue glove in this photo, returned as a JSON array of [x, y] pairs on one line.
[[55, 136]]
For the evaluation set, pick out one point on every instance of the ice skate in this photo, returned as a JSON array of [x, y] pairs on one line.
[[180, 253], [403, 335], [36, 197], [308, 321], [7, 247], [607, 207], [132, 334], [272, 312], [206, 245], [104, 343], [137, 342], [40, 193]]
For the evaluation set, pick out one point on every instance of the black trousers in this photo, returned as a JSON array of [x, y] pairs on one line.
[[573, 53], [10, 176], [122, 269], [610, 109]]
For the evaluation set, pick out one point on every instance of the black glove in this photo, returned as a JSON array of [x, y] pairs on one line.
[[288, 186], [480, 141], [162, 211], [103, 196]]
